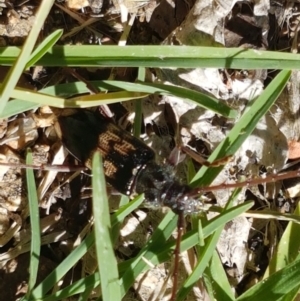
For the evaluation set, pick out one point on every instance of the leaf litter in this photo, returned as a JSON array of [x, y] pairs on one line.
[[184, 124]]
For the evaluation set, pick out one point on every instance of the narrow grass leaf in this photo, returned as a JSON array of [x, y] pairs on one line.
[[43, 47], [86, 295], [17, 106], [209, 287], [292, 295], [219, 281], [287, 251], [125, 209], [84, 101], [222, 289], [79, 287], [55, 96], [160, 56], [33, 204], [93, 100], [39, 98], [201, 99], [271, 214], [107, 263], [191, 239]]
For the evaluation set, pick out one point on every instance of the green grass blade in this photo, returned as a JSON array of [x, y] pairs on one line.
[[41, 290], [79, 287], [85, 296], [209, 287], [221, 287], [107, 263], [124, 211], [201, 99], [33, 204], [17, 106], [43, 48], [54, 96], [160, 57], [85, 101]]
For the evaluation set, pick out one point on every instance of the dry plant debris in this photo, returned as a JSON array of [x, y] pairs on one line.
[[167, 120]]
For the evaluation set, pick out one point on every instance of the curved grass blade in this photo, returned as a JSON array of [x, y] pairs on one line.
[[201, 99], [222, 289], [79, 287], [161, 56], [55, 96], [44, 47], [35, 248], [107, 263], [17, 106]]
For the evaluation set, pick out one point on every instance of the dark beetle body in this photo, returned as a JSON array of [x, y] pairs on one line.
[[129, 164], [84, 133]]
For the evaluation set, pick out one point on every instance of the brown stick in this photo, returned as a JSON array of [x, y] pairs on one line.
[[250, 182], [61, 168], [180, 227]]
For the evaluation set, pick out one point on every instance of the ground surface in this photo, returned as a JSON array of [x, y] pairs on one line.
[[233, 24]]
